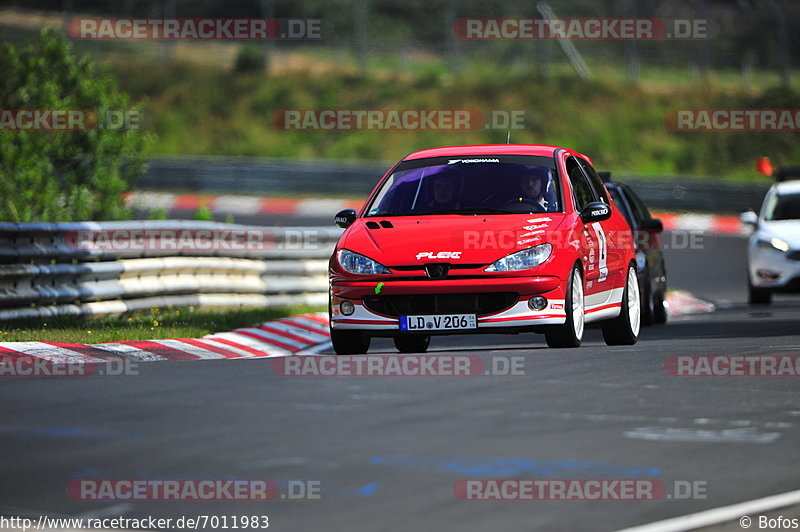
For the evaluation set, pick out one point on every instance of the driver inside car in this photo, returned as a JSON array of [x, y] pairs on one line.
[[533, 193]]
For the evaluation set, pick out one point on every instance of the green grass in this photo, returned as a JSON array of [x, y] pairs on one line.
[[204, 108], [210, 111], [152, 325]]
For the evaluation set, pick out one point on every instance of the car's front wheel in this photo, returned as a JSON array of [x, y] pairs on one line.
[[571, 333], [758, 296], [349, 342], [412, 344], [659, 311], [647, 302], [624, 329]]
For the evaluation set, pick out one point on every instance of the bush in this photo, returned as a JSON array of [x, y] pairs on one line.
[[65, 175], [203, 214], [250, 59]]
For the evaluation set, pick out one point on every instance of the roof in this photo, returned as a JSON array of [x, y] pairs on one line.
[[485, 149], [787, 187]]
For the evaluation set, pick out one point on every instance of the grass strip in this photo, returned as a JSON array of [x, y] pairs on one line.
[[152, 325]]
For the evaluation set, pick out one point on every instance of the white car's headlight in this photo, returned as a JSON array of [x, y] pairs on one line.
[[356, 263], [780, 245], [775, 243], [522, 260]]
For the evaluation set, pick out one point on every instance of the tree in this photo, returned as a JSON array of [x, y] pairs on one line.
[[59, 175]]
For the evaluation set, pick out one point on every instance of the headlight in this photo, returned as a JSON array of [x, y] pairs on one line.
[[357, 263], [775, 243], [522, 260], [641, 260], [779, 244]]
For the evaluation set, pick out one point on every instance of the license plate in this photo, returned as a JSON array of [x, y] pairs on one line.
[[438, 322]]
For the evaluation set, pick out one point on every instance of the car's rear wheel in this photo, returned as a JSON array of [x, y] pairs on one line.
[[571, 333], [412, 344], [349, 342], [624, 329], [758, 296]]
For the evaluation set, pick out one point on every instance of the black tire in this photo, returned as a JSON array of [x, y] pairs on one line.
[[624, 329], [758, 296], [349, 342], [412, 343], [568, 335], [659, 311], [647, 304]]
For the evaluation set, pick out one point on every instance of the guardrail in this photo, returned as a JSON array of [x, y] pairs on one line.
[[262, 176], [97, 268]]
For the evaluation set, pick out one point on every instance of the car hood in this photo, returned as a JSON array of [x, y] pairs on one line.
[[786, 230], [462, 239]]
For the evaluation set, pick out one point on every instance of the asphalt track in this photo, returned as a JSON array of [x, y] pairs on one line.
[[387, 451]]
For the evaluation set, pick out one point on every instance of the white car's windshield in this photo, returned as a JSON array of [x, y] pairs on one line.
[[469, 185], [783, 207]]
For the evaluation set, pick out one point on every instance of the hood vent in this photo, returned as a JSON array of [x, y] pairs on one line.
[[384, 223]]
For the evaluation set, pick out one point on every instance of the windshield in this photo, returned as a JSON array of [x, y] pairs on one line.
[[474, 185], [783, 207]]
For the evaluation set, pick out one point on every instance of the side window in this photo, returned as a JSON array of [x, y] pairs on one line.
[[620, 204], [595, 181], [639, 209], [581, 191]]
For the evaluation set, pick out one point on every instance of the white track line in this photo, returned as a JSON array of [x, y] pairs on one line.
[[720, 515]]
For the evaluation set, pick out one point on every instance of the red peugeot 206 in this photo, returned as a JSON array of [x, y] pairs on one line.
[[484, 239]]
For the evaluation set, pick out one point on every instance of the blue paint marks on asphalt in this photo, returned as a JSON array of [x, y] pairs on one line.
[[369, 489], [66, 432], [514, 467]]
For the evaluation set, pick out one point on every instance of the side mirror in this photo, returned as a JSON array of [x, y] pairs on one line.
[[749, 218], [652, 224], [596, 211], [345, 218]]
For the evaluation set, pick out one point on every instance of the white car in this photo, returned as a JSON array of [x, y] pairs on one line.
[[773, 253]]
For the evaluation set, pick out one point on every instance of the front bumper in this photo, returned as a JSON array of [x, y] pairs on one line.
[[771, 268], [517, 315]]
